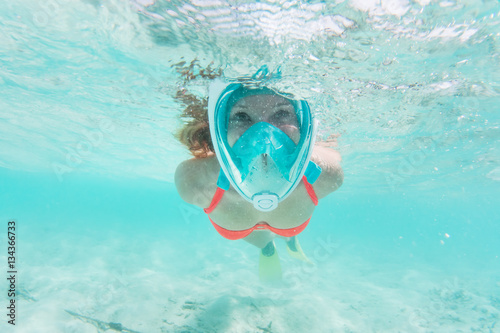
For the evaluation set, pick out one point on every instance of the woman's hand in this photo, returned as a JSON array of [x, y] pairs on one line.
[[330, 142]]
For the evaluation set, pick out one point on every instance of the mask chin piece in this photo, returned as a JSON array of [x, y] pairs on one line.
[[265, 202]]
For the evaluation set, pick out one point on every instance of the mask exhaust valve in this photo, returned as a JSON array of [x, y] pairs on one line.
[[265, 202]]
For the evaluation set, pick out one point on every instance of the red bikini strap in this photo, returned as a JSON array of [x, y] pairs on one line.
[[215, 200], [231, 234], [310, 191]]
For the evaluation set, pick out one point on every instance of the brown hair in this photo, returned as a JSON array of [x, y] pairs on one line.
[[195, 134]]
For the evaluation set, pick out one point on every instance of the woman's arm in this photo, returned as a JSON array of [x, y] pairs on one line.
[[332, 176], [195, 180]]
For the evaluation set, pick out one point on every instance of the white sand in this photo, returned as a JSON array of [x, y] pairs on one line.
[[147, 284]]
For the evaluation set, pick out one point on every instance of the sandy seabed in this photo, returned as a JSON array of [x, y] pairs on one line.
[[118, 283]]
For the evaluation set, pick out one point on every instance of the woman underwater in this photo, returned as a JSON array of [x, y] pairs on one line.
[[256, 171]]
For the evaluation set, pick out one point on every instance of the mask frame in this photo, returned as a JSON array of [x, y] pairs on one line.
[[264, 198]]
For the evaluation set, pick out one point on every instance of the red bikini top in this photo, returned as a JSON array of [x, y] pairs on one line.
[[239, 234]]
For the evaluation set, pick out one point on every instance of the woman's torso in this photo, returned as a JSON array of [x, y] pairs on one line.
[[233, 212]]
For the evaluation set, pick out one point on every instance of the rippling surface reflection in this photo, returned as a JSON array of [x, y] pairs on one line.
[[411, 88]]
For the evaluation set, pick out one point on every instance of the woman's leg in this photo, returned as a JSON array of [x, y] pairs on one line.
[[269, 261]]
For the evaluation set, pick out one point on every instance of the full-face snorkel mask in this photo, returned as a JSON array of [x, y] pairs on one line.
[[264, 165]]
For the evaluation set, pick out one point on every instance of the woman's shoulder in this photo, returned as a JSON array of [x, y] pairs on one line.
[[197, 164], [194, 176]]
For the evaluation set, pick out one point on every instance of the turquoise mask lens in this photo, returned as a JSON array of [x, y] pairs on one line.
[[264, 139]]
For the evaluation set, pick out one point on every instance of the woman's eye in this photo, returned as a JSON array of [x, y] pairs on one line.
[[240, 117], [282, 115]]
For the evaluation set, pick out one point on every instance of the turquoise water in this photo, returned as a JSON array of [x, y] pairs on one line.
[[409, 243]]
